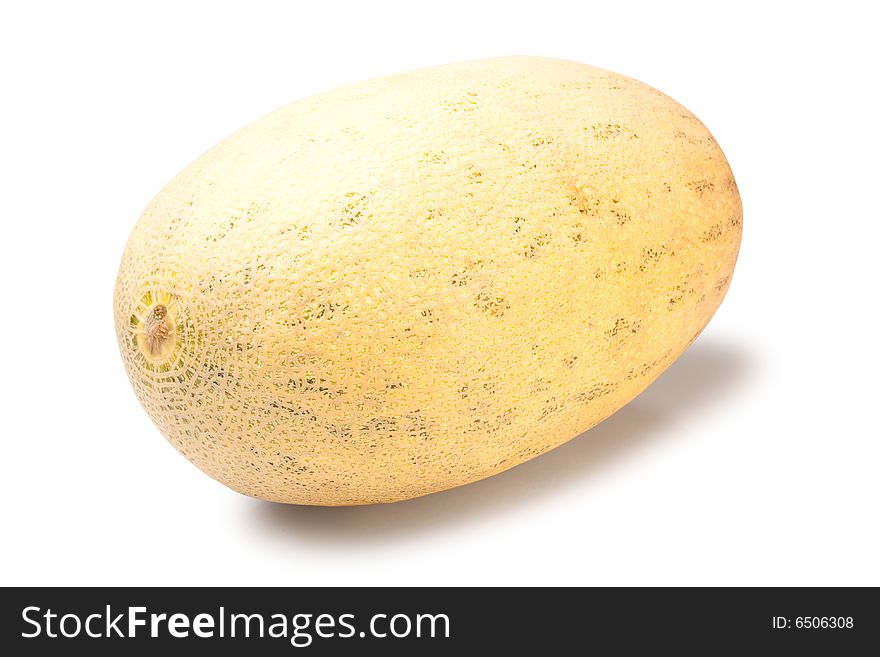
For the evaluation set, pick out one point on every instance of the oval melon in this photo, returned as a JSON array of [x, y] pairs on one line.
[[415, 282]]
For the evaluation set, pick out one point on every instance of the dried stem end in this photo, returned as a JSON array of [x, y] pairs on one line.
[[157, 329]]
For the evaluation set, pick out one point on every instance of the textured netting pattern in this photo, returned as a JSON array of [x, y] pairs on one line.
[[408, 284]]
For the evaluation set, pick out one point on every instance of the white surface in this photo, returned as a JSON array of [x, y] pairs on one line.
[[754, 460]]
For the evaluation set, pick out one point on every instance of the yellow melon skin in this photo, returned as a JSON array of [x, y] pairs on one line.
[[411, 283]]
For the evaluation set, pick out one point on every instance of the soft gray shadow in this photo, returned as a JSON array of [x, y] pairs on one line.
[[705, 374]]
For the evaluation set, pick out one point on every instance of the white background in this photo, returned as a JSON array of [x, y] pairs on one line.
[[754, 460]]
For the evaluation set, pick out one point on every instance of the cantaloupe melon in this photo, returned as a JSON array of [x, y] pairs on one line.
[[415, 282]]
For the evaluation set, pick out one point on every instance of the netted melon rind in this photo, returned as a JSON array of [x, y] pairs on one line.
[[411, 283]]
